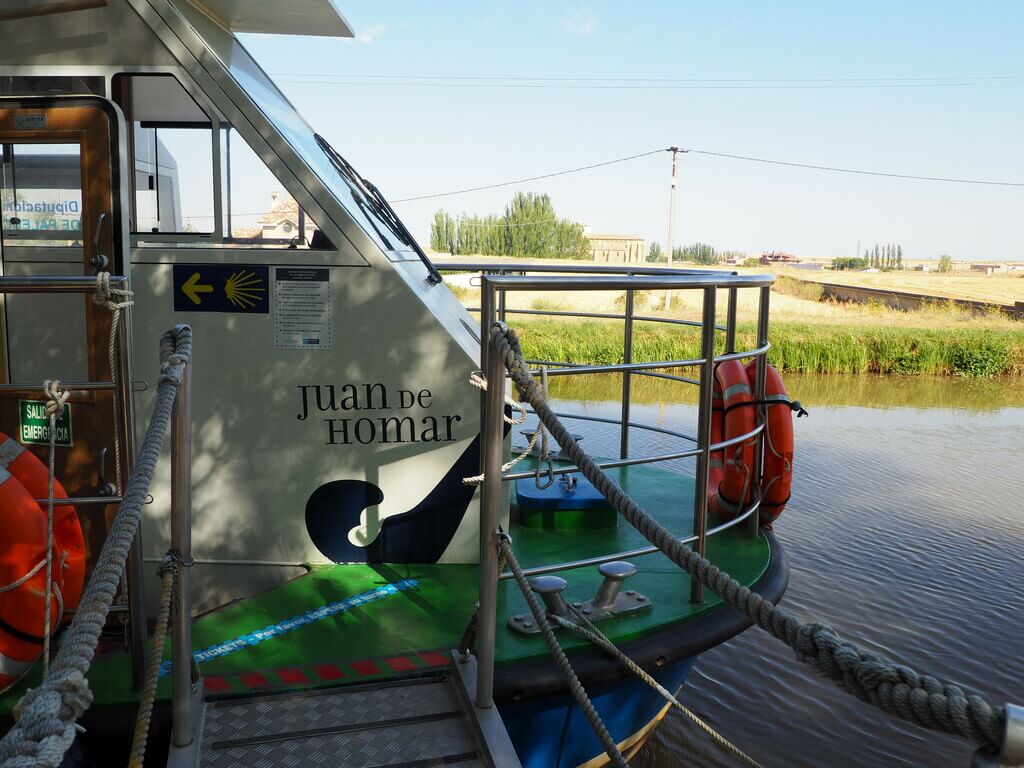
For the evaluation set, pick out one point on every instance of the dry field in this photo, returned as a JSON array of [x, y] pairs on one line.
[[784, 308], [1001, 289]]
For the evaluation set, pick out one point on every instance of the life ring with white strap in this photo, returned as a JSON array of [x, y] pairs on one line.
[[733, 414], [23, 546]]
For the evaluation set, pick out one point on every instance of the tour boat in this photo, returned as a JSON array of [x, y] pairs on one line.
[[323, 466]]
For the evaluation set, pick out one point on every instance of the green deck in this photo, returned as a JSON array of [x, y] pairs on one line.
[[416, 628]]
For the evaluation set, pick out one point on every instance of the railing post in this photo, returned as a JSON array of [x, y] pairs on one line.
[[490, 505], [730, 323], [134, 573], [762, 371], [627, 358], [181, 543], [707, 375]]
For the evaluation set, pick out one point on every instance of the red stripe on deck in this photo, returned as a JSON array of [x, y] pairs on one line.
[[400, 664], [216, 684], [365, 668], [328, 671], [292, 676], [435, 659], [254, 680]]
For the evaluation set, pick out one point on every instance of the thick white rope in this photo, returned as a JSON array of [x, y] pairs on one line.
[[104, 297], [46, 715], [478, 381]]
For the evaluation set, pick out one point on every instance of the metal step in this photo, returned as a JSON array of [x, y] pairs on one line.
[[403, 723]]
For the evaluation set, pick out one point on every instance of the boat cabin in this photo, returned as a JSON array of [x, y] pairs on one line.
[[331, 364]]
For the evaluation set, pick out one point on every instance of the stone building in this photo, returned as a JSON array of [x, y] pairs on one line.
[[623, 249]]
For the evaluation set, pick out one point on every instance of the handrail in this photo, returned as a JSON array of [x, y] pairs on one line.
[[45, 284], [496, 281], [540, 570], [519, 267], [626, 282]]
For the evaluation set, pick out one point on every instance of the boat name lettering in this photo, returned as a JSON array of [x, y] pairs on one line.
[[329, 398]]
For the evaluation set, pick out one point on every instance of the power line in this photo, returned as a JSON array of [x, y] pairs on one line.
[[635, 86], [530, 178], [548, 79], [857, 171]]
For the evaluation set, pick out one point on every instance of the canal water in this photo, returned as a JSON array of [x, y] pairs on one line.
[[905, 533]]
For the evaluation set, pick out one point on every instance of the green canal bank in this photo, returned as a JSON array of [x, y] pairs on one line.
[[965, 350]]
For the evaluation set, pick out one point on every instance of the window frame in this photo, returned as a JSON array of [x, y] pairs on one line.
[[162, 239]]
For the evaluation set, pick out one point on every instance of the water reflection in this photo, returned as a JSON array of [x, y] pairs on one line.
[[905, 533], [812, 389]]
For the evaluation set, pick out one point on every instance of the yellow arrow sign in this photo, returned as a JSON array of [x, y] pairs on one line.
[[192, 288]]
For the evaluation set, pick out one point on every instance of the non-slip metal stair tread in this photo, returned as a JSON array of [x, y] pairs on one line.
[[264, 716], [391, 726]]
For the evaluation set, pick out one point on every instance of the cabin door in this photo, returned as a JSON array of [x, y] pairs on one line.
[[59, 173]]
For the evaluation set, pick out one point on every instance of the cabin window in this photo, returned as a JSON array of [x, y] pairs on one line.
[[172, 156], [258, 211], [41, 194], [199, 185]]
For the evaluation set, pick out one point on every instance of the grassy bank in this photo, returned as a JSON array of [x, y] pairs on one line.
[[970, 351]]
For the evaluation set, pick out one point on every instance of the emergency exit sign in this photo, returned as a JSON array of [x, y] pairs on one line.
[[34, 428]]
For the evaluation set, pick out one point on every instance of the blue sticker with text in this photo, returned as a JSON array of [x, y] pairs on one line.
[[295, 622]]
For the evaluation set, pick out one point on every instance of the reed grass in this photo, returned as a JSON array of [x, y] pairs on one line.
[[969, 351]]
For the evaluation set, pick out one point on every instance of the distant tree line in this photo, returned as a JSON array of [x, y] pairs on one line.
[[699, 253], [883, 257], [528, 228], [849, 262]]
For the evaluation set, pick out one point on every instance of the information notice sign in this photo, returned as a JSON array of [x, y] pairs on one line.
[[302, 308]]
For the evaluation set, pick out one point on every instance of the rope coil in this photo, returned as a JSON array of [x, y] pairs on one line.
[[921, 699]]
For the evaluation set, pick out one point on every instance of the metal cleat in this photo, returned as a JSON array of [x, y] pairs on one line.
[[550, 589], [609, 602]]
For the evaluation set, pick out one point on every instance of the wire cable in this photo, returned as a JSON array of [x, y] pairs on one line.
[[835, 169], [529, 178]]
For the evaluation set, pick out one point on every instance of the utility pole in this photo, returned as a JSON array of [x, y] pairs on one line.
[[671, 220]]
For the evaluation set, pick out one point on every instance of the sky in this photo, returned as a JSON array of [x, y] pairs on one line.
[[946, 82]]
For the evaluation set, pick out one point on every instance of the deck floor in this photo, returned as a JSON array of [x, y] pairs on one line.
[[342, 624]]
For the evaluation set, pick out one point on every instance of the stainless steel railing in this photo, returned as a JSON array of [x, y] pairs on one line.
[[496, 282], [182, 686]]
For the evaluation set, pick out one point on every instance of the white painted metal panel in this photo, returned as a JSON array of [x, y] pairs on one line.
[[295, 17]]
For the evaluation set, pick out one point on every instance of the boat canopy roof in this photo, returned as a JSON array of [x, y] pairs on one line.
[[294, 17]]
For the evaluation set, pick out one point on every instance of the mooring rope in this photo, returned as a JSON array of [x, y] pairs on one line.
[[575, 686], [104, 297], [897, 689], [585, 628], [168, 572], [46, 716]]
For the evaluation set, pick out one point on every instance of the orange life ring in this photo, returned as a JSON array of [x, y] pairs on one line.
[[777, 476], [732, 415], [23, 479]]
